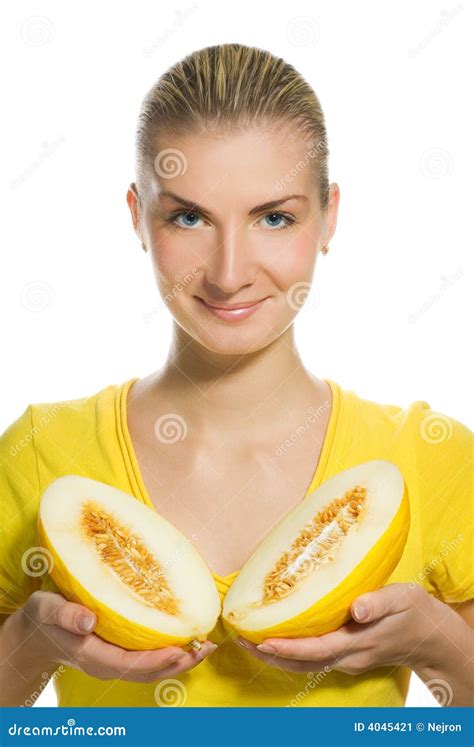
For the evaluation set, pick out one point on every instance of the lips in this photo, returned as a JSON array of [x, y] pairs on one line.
[[231, 306], [232, 312]]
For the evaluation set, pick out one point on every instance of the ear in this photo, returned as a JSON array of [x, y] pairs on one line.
[[134, 203], [332, 211]]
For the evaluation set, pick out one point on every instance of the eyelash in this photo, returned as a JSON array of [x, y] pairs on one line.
[[173, 217]]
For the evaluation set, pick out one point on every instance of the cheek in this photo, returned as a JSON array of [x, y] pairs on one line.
[[172, 260], [293, 262]]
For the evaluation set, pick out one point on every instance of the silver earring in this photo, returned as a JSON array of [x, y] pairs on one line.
[[143, 247]]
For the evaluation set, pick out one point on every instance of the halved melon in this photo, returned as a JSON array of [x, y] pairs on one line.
[[145, 581], [344, 539]]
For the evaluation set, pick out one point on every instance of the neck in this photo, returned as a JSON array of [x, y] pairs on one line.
[[216, 392]]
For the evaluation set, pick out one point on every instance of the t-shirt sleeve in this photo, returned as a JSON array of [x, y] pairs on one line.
[[444, 458], [20, 559]]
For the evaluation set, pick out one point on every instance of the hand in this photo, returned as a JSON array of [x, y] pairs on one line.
[[52, 630], [398, 619]]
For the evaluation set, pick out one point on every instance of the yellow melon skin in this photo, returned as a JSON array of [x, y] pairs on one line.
[[333, 610], [110, 626]]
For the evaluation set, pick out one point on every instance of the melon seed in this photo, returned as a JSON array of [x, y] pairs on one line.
[[129, 558], [310, 549]]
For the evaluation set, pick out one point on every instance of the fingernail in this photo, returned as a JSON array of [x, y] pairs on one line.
[[360, 611], [175, 657], [242, 643], [267, 648], [205, 651], [85, 622]]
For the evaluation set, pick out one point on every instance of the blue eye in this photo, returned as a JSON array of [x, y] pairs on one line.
[[191, 220], [188, 216], [279, 216]]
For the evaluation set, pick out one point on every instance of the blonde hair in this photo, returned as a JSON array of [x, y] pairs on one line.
[[224, 89]]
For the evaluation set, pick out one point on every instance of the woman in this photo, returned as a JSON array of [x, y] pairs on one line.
[[233, 203]]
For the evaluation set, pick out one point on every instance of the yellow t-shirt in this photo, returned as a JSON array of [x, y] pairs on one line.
[[89, 437]]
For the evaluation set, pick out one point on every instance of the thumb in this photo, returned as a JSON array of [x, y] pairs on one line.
[[68, 615], [377, 604]]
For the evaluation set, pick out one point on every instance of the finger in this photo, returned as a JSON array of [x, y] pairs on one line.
[[186, 663], [389, 600], [292, 665], [109, 656], [316, 648], [51, 608]]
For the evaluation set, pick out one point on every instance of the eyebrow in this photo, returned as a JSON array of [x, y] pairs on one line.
[[264, 206]]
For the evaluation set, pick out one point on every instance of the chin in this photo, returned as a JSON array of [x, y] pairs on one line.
[[230, 340]]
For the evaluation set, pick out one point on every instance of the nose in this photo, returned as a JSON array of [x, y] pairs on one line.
[[232, 262]]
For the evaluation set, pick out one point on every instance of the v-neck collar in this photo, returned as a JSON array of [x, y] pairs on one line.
[[334, 438]]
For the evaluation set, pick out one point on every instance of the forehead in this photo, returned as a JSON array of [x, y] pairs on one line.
[[255, 164]]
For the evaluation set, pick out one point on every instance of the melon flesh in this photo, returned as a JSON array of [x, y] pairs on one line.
[[145, 581], [344, 539]]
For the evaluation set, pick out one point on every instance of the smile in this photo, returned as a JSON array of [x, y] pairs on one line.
[[234, 312]]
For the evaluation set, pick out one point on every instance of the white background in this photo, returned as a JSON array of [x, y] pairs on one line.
[[80, 309]]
